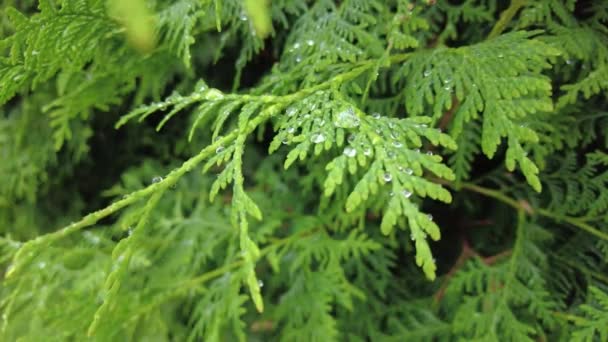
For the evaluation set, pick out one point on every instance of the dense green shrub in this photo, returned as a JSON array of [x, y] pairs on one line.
[[377, 170]]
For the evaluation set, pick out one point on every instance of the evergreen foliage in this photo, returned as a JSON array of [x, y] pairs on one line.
[[304, 170]]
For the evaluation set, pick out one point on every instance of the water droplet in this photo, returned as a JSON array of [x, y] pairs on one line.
[[409, 171], [296, 45], [391, 125], [397, 144], [447, 88], [157, 179], [390, 154], [347, 118], [430, 217], [351, 138], [317, 138], [427, 73], [500, 55], [376, 115], [568, 61], [367, 152], [387, 177], [290, 130], [260, 283], [219, 149], [285, 141], [310, 42], [92, 238], [429, 153], [447, 80], [214, 94], [298, 59], [391, 194], [291, 111], [406, 194], [243, 17], [350, 152], [412, 237]]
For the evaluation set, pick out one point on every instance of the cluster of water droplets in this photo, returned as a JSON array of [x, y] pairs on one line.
[[347, 118], [245, 18], [297, 47], [447, 84]]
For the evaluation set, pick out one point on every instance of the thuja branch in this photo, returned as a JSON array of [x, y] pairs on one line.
[[27, 252], [527, 208], [186, 286], [505, 17]]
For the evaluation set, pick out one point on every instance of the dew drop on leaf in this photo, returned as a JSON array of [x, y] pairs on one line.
[[291, 111], [317, 138], [214, 94], [260, 283], [376, 115], [350, 152], [397, 144], [290, 130], [367, 152], [406, 194], [219, 149], [387, 177], [347, 118], [409, 171], [310, 42], [157, 179], [427, 73]]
